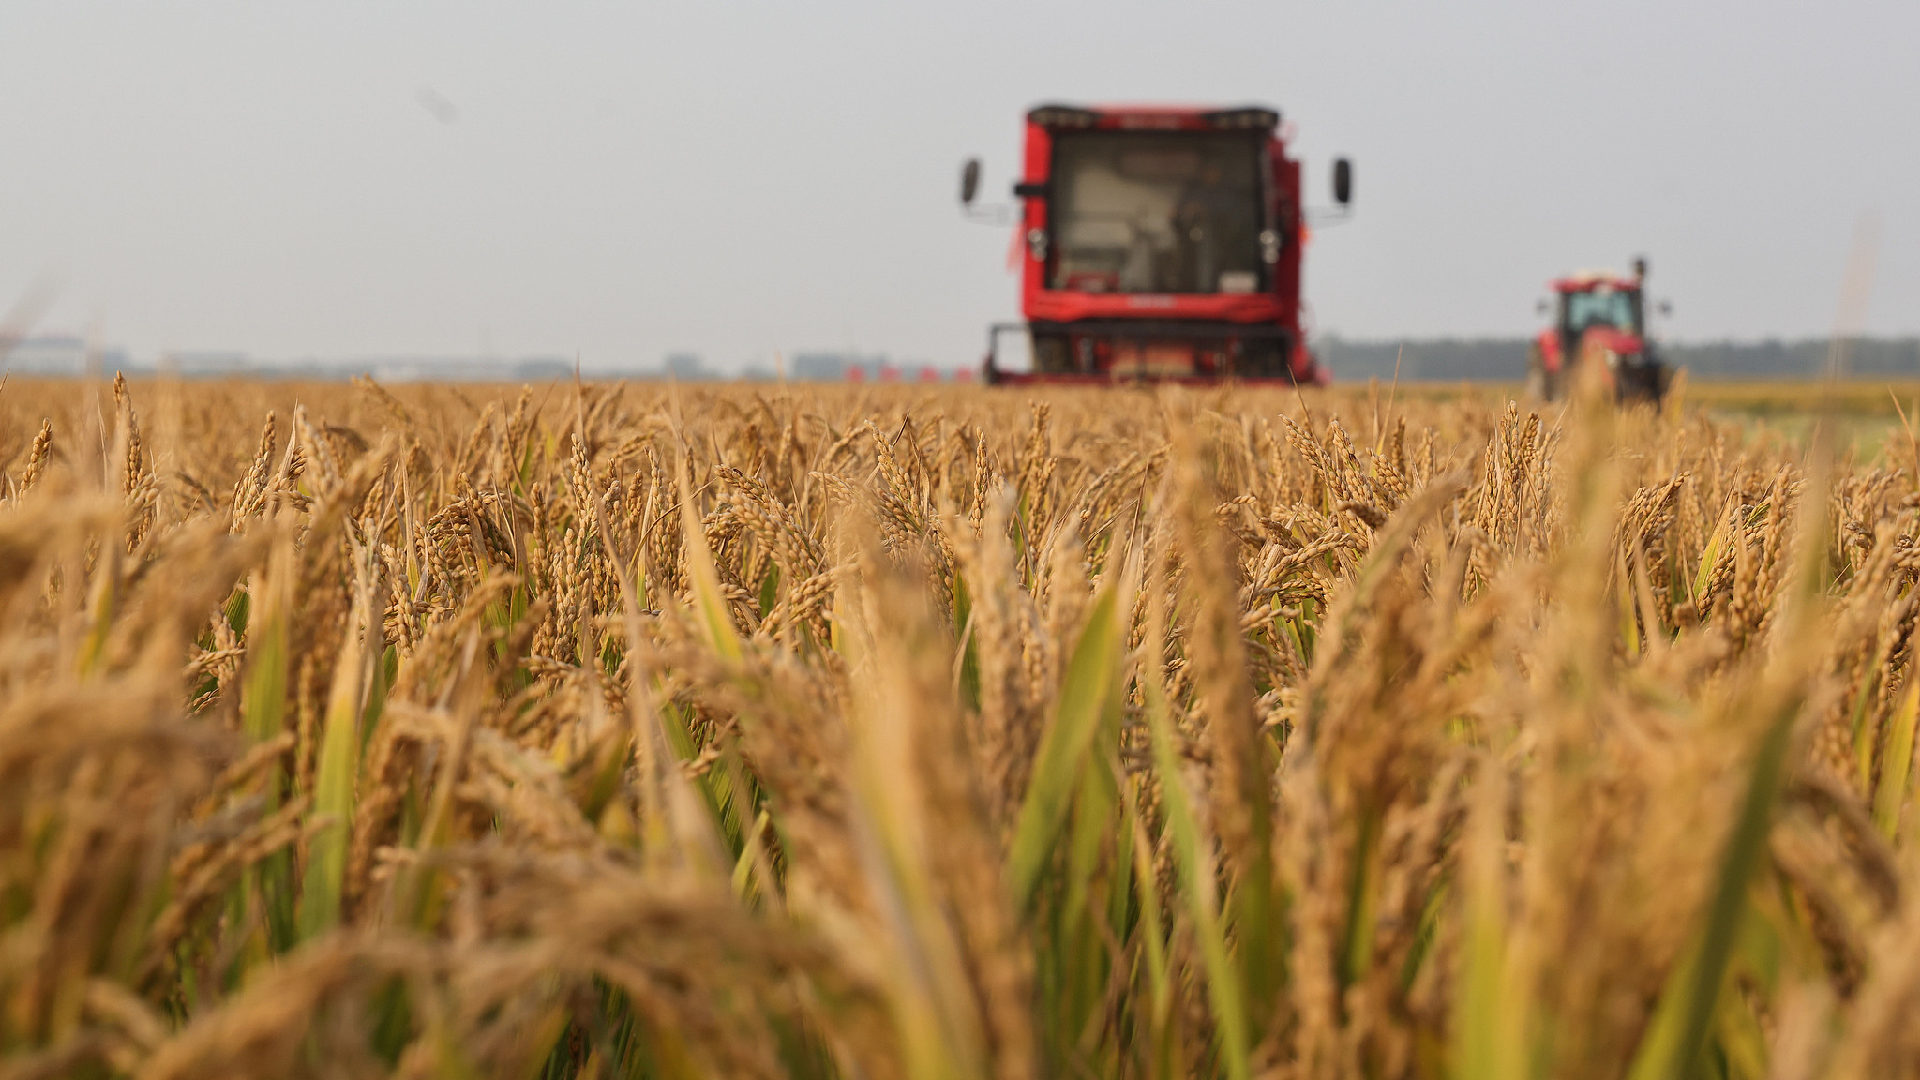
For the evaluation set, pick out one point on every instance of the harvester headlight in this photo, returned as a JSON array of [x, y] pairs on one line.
[[1037, 244], [1269, 246]]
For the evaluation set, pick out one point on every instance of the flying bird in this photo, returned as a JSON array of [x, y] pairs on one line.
[[436, 103]]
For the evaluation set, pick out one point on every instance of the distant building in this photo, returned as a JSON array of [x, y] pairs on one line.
[[838, 367], [66, 356], [450, 369], [542, 369], [59, 354], [202, 364], [819, 367], [686, 367]]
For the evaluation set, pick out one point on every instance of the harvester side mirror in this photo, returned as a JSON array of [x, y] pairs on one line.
[[1342, 181], [969, 181]]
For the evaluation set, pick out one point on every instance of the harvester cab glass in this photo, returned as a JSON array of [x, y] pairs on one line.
[[1140, 212]]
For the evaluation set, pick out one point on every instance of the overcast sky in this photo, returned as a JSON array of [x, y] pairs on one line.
[[616, 181]]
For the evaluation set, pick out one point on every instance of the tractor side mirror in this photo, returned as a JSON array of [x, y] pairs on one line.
[[969, 181], [1342, 181]]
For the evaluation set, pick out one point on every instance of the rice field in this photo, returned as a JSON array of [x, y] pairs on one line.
[[889, 732]]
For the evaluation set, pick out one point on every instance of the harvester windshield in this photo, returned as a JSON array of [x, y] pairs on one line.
[[1157, 212], [1612, 307]]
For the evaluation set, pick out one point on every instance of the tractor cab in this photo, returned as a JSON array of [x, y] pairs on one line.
[[1599, 318], [1598, 301]]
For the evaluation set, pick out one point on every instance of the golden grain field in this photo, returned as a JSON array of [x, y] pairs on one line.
[[350, 731]]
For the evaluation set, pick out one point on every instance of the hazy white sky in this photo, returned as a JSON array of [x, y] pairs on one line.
[[617, 180]]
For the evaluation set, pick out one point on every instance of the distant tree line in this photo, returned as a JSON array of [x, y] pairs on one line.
[[1505, 359]]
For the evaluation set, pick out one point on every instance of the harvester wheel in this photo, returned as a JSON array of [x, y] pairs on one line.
[[1052, 354], [1262, 359]]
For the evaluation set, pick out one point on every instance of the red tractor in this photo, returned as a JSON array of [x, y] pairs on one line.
[[1158, 244], [1600, 321]]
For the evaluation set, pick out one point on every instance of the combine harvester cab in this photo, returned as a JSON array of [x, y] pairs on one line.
[[1158, 245], [1599, 321]]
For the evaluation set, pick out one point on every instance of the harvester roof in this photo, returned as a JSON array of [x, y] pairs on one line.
[[1055, 117]]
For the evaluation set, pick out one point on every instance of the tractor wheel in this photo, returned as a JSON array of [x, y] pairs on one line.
[[1642, 383], [1662, 377], [1541, 384]]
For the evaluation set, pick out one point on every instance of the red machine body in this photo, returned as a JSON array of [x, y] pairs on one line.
[[1599, 319], [1553, 342], [1159, 243]]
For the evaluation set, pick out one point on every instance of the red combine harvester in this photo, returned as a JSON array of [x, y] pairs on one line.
[[1158, 244], [1600, 319]]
